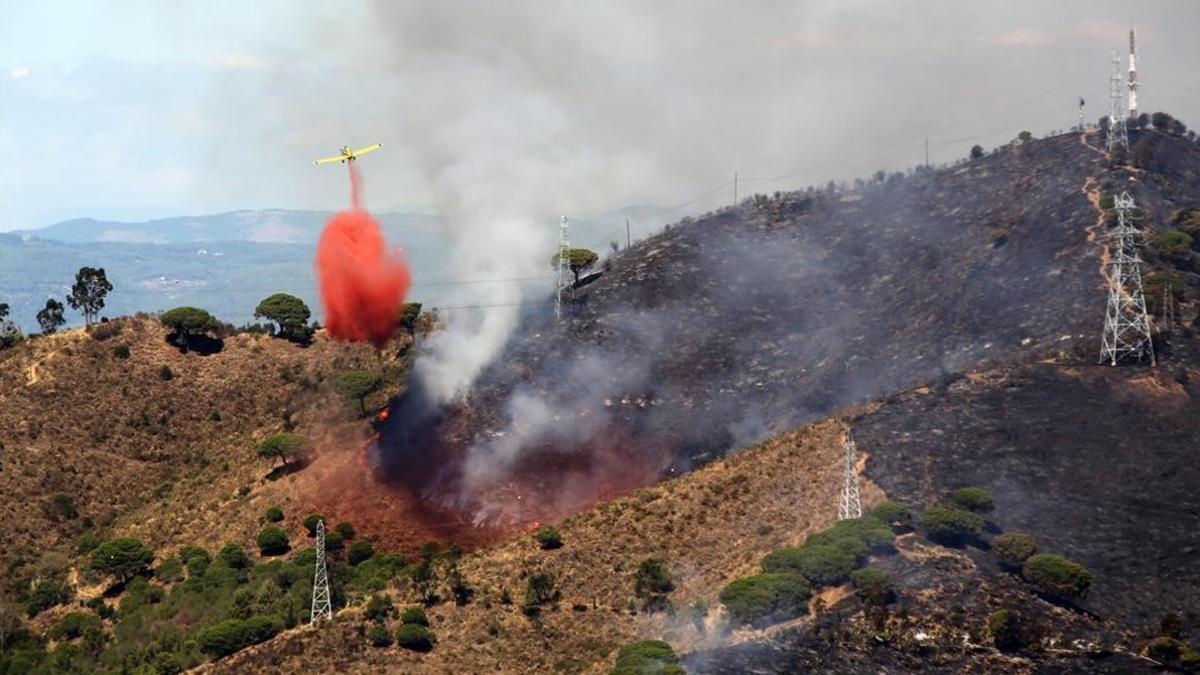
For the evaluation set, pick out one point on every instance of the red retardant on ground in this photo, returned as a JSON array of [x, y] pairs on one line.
[[363, 284]]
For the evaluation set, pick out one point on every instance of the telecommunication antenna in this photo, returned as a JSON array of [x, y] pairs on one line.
[[321, 609], [1117, 135], [563, 248], [850, 505], [1080, 113], [1133, 83], [1126, 324]]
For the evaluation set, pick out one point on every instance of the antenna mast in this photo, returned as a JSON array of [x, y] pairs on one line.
[[321, 609], [563, 256], [1126, 325], [1133, 84], [850, 505], [1117, 136]]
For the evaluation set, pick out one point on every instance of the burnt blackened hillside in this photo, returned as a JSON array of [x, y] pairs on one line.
[[720, 331]]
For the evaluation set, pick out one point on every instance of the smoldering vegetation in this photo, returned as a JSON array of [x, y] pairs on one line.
[[751, 320]]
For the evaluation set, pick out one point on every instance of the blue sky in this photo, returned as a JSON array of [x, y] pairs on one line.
[[133, 110]]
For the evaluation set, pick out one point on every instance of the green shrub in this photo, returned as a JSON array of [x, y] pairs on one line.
[[333, 541], [274, 514], [380, 607], [234, 557], [414, 615], [73, 624], [1172, 242], [121, 351], [871, 531], [229, 636], [379, 636], [653, 577], [346, 530], [539, 590], [87, 543], [821, 564], [358, 385], [1056, 576], [896, 514], [973, 499], [1014, 548], [415, 637], [360, 551], [1005, 627], [195, 559], [171, 570], [310, 523], [951, 526], [122, 557], [548, 538], [766, 598], [272, 541], [166, 374], [1107, 201], [872, 584], [647, 657]]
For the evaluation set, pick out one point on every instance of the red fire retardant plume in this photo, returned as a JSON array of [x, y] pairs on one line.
[[363, 284]]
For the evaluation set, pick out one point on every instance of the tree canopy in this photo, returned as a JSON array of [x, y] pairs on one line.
[[289, 314], [188, 323], [282, 446], [88, 293], [50, 317], [358, 385], [578, 260], [408, 316], [122, 557]]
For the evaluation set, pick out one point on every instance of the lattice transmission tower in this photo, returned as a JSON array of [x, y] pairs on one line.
[[1126, 324], [1118, 136], [321, 609], [850, 506], [563, 266]]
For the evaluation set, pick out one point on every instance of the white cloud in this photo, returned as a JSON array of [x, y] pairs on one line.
[[237, 62], [20, 72]]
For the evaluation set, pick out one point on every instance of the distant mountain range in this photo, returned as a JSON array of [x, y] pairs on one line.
[[272, 226], [227, 262]]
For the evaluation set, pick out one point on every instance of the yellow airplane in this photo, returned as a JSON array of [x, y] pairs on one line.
[[348, 155]]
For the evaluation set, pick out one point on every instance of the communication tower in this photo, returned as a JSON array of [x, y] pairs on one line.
[[1126, 324], [1132, 84], [321, 609], [1117, 135]]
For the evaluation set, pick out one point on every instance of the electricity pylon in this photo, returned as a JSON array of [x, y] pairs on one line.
[[321, 609], [850, 505], [1126, 324], [563, 262]]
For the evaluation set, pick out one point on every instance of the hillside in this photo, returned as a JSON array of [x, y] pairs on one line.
[[950, 319], [95, 442], [744, 323]]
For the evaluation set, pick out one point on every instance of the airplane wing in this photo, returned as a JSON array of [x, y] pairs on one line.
[[369, 148], [327, 160]]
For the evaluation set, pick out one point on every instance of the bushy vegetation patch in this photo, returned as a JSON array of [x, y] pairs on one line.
[[822, 564], [895, 514], [1014, 548], [873, 585], [1005, 627], [951, 526], [1057, 577], [973, 499], [415, 637], [766, 598], [548, 538], [647, 657]]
